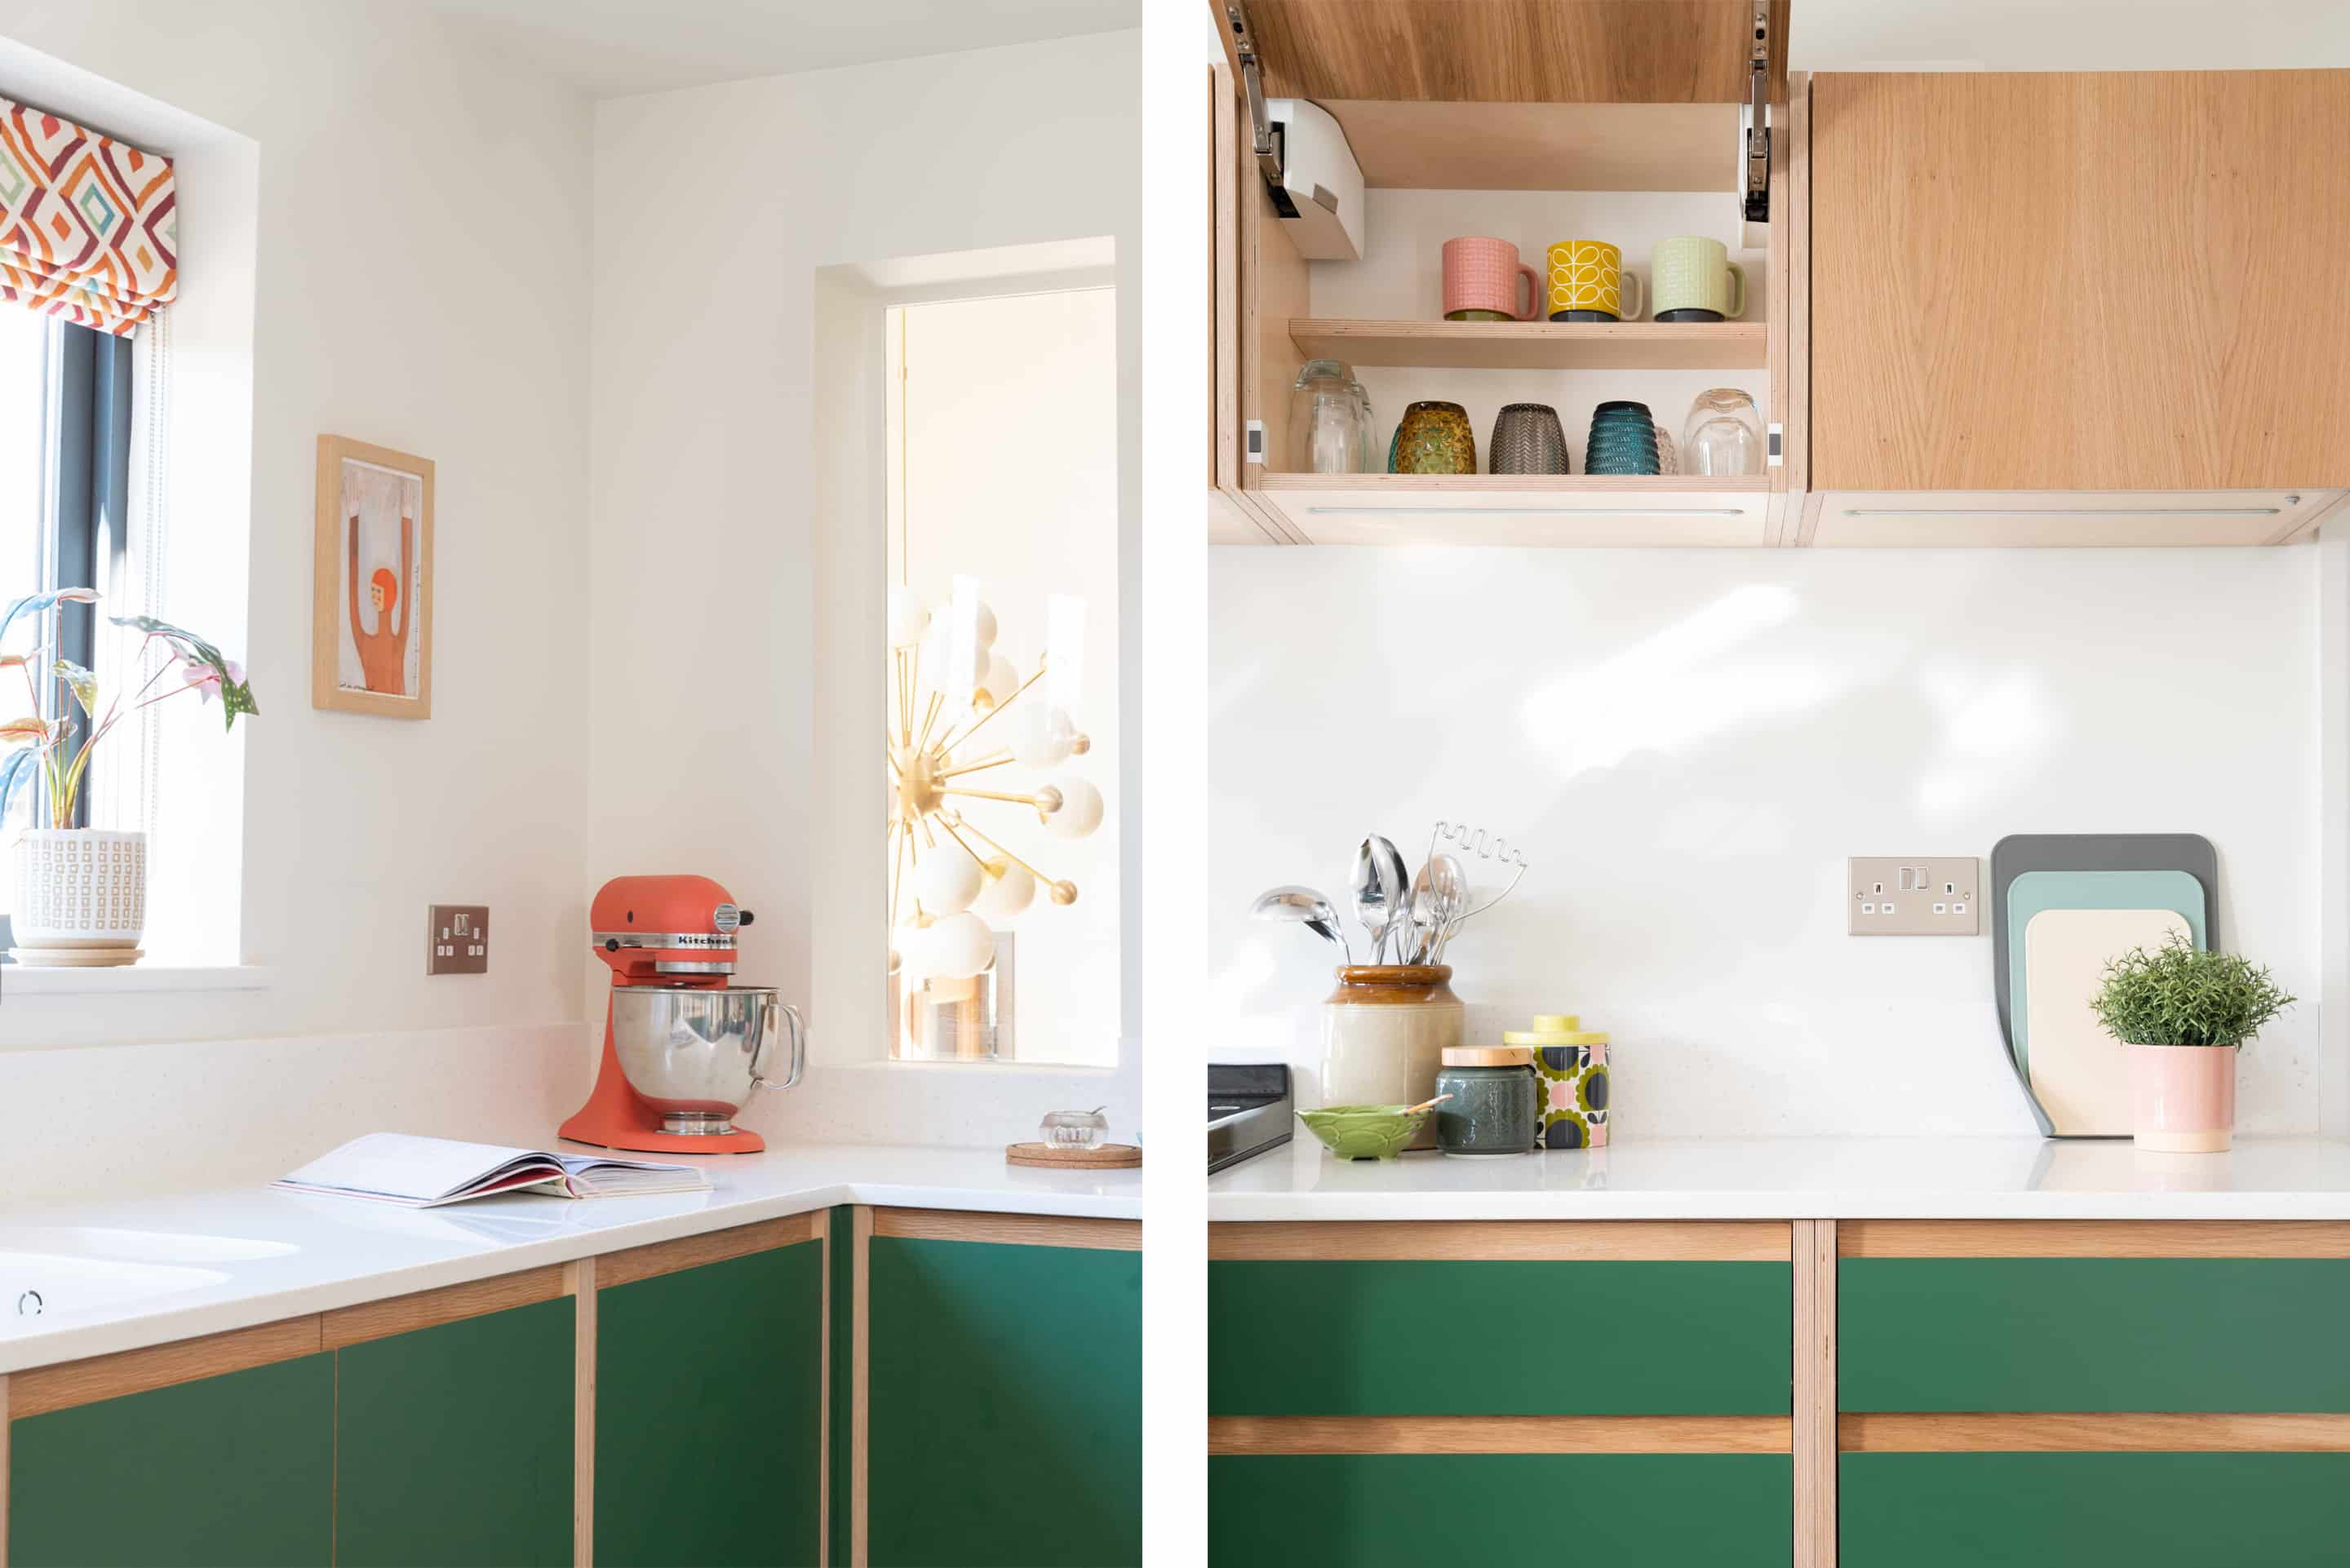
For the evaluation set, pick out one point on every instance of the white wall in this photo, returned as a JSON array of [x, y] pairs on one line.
[[719, 741], [422, 220], [1689, 744]]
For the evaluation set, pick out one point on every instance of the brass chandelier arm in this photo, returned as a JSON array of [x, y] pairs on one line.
[[975, 856], [1037, 801], [992, 713], [991, 844], [992, 760]]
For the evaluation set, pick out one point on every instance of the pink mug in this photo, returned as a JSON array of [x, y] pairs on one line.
[[1483, 274]]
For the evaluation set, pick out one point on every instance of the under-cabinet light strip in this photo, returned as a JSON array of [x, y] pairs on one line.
[[1523, 511], [2064, 512]]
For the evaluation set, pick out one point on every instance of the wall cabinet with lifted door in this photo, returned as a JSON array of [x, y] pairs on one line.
[[1531, 121]]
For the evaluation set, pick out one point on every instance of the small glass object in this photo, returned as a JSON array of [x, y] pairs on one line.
[[1073, 1129], [1724, 434], [1329, 425]]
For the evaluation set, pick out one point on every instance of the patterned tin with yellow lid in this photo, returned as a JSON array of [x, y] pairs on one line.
[[1572, 1091]]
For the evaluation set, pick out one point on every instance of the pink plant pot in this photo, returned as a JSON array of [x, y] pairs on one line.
[[2183, 1098]]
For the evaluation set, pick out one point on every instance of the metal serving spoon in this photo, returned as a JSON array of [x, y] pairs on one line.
[[1305, 906]]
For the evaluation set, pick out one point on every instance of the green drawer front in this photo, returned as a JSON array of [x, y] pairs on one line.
[[1362, 1338], [1416, 1510], [234, 1470], [2092, 1334], [453, 1444], [2065, 1510], [1004, 1405]]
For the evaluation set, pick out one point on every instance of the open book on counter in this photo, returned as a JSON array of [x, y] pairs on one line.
[[426, 1172]]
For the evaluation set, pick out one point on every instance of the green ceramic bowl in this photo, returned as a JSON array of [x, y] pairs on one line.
[[1365, 1132]]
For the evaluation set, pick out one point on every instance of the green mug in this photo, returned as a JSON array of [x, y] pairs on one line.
[[1692, 278]]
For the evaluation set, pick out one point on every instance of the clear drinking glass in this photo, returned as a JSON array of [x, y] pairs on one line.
[[1724, 434], [1328, 427], [1370, 459]]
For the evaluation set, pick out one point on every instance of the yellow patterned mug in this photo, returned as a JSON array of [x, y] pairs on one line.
[[1588, 283]]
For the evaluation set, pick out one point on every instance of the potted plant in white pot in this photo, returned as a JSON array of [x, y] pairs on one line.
[[81, 892], [2182, 1016]]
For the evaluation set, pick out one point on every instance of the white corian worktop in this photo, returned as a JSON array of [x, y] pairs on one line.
[[283, 1254], [1801, 1179]]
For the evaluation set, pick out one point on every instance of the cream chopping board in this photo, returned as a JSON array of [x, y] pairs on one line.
[[2080, 1072]]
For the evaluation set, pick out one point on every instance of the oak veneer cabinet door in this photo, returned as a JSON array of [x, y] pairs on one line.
[[1004, 1403], [709, 1390], [2059, 281], [232, 1469], [453, 1443]]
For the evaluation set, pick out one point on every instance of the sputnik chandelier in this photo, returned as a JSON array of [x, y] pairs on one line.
[[948, 876]]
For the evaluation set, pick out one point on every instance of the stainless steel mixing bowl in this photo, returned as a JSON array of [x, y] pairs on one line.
[[698, 1056]]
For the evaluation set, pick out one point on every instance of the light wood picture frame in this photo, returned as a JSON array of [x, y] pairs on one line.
[[371, 613]]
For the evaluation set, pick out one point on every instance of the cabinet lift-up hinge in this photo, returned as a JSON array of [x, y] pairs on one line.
[[1754, 121], [1261, 140]]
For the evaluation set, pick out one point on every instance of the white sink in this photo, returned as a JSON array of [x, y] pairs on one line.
[[36, 1285]]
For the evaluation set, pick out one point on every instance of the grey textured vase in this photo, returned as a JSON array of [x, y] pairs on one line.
[[1528, 438]]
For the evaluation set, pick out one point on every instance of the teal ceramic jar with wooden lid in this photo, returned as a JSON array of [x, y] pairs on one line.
[[1491, 1108]]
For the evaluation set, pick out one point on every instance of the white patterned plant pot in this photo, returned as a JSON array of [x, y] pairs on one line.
[[79, 887]]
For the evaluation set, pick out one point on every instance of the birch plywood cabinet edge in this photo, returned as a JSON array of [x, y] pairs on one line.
[[2058, 281]]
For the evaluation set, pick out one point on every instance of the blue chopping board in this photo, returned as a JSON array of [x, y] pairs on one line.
[[2033, 891]]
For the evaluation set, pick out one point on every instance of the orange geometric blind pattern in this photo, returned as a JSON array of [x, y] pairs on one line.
[[88, 226]]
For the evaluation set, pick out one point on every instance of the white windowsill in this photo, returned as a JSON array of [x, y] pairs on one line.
[[138, 979]]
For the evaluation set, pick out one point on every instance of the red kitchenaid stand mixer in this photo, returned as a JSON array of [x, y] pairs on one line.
[[695, 1043]]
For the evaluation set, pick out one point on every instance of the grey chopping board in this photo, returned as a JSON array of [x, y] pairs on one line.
[[2021, 852]]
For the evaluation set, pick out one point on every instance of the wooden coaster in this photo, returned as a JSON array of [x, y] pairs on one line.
[[77, 957], [1102, 1156]]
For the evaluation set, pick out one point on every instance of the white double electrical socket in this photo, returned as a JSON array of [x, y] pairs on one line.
[[1913, 895]]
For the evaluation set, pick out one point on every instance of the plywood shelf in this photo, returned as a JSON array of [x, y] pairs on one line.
[[1523, 511], [1538, 345]]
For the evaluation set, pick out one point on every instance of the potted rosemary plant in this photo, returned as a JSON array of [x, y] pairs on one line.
[[81, 892], [2182, 1016]]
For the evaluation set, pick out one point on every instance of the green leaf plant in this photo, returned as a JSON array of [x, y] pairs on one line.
[[2178, 996], [46, 745]]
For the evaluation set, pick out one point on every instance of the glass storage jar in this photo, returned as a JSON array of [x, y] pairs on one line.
[[1329, 419], [1492, 1108]]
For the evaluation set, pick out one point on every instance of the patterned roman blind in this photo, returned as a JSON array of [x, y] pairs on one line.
[[88, 226]]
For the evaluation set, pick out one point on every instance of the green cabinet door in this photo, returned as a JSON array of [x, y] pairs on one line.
[[707, 1412], [233, 1470], [453, 1444], [1003, 1404], [1422, 1511], [2070, 1510]]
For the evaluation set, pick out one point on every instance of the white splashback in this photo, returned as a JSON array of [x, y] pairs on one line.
[[1689, 744]]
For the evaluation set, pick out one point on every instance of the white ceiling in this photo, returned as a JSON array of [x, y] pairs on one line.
[[614, 48], [2067, 35]]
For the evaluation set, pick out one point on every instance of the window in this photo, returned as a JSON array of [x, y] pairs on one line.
[[65, 409], [1001, 436]]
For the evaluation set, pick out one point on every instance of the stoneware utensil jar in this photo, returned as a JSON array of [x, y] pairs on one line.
[[2183, 1098], [1384, 1033], [1492, 1108]]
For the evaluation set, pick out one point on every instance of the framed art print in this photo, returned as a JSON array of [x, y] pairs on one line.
[[371, 618]]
